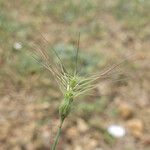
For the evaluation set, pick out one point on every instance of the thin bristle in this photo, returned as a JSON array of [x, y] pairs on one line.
[[111, 69], [77, 55], [55, 52]]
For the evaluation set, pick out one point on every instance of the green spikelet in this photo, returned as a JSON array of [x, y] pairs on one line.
[[66, 105]]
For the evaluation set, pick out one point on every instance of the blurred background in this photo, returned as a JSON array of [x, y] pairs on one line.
[[29, 97]]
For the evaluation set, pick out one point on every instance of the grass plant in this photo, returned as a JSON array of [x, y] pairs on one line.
[[71, 84]]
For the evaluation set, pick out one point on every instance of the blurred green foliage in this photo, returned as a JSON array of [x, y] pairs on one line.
[[86, 62], [69, 10], [25, 64], [135, 13]]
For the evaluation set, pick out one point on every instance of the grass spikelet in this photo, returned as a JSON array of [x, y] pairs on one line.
[[71, 84]]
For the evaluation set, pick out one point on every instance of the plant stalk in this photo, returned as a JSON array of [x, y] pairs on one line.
[[57, 136]]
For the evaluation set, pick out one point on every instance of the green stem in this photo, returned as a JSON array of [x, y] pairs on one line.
[[57, 136]]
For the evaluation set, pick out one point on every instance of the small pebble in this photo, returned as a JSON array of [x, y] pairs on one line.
[[82, 125], [126, 110], [17, 46], [116, 131], [136, 127]]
